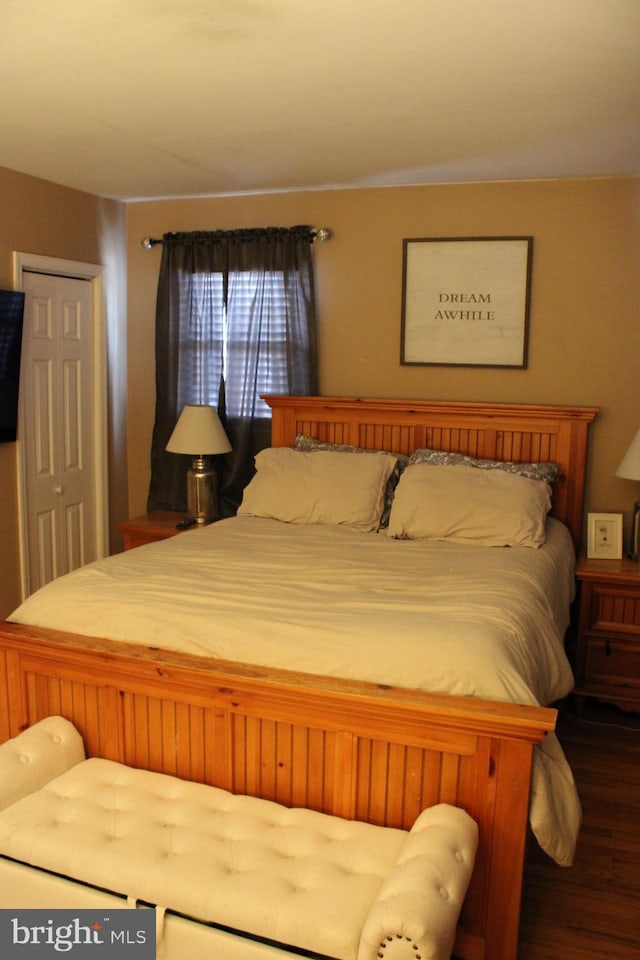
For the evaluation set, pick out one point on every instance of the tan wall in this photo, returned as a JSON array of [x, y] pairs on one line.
[[42, 218], [584, 331]]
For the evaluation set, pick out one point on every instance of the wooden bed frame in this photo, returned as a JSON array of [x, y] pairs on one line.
[[357, 750]]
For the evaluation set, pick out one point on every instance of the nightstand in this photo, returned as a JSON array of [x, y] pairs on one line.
[[607, 649], [150, 527]]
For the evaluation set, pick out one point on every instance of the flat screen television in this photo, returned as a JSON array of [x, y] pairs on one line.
[[11, 318]]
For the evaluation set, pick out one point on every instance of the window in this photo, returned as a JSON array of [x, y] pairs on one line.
[[235, 319]]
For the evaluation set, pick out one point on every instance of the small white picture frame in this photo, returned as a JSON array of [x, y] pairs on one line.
[[604, 536]]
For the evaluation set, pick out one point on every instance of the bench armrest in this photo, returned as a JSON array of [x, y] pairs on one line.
[[36, 756], [419, 903]]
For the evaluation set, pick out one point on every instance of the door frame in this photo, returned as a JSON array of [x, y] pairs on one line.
[[94, 273]]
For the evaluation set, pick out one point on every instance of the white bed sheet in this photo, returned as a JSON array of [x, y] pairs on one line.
[[437, 616]]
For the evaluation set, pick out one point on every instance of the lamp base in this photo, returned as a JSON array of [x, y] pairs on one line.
[[202, 492], [635, 533]]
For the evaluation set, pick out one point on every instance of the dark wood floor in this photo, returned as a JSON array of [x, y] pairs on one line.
[[591, 911]]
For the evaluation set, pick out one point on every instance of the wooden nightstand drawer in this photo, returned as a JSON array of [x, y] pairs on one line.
[[613, 662], [612, 608]]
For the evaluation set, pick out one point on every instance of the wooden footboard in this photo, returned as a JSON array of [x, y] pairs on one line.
[[352, 749]]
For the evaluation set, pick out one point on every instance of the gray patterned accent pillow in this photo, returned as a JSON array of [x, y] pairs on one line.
[[546, 472], [310, 444]]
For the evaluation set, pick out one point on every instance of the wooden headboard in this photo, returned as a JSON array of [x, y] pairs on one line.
[[496, 431]]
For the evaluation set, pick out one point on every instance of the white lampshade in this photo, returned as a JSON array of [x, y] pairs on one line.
[[629, 467], [198, 432]]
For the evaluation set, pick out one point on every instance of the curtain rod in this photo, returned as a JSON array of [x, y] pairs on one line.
[[320, 234]]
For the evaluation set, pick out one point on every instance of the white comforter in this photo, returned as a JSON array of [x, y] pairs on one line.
[[436, 616]]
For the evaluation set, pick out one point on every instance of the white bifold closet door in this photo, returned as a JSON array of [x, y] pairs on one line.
[[57, 395]]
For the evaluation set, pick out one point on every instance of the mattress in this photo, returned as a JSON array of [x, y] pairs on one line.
[[438, 616]]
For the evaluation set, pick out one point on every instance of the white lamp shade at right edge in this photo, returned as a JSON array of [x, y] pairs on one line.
[[629, 469]]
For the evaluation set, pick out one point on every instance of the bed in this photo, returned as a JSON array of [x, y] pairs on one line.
[[377, 743]]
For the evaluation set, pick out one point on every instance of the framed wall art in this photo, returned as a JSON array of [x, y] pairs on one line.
[[465, 301], [604, 536]]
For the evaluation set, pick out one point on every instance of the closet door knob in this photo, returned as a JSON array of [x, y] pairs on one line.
[[58, 490]]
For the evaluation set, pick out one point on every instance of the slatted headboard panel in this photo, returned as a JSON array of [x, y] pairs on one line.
[[499, 431]]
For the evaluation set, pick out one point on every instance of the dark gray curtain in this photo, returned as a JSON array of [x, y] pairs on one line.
[[235, 318]]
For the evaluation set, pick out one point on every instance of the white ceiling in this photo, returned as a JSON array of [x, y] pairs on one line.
[[155, 98]]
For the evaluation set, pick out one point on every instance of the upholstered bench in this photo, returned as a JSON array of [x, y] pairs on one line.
[[86, 832]]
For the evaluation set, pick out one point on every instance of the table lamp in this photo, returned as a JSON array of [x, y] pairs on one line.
[[200, 434], [629, 469]]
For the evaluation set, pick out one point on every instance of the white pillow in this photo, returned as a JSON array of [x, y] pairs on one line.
[[467, 505], [320, 487]]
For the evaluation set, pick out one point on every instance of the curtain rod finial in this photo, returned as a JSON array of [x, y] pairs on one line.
[[148, 243], [322, 234]]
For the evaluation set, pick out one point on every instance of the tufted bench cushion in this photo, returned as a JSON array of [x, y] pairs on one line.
[[344, 889]]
